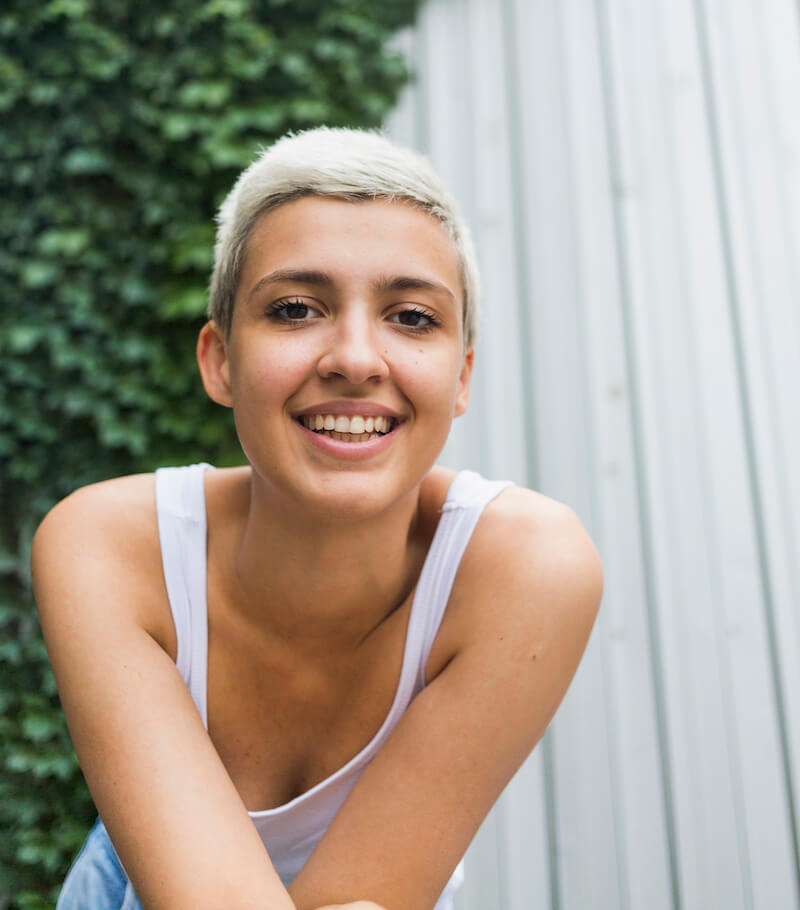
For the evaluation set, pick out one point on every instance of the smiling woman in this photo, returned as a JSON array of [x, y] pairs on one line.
[[317, 671], [345, 311]]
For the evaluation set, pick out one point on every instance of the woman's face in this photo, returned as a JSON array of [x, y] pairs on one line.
[[348, 312]]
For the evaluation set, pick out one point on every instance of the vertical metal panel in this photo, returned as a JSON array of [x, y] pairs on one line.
[[762, 265], [659, 159], [768, 781], [632, 175]]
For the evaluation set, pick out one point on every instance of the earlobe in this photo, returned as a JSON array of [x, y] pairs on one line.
[[462, 396], [212, 358]]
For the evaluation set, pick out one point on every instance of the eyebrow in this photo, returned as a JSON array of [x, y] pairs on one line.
[[316, 278], [408, 283], [299, 276]]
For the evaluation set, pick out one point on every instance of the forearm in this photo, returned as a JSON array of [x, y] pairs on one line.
[[358, 905]]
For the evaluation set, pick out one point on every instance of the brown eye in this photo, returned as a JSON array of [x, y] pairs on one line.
[[295, 310], [292, 310], [415, 319]]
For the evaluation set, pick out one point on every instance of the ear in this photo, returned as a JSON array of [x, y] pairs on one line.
[[462, 395], [212, 358]]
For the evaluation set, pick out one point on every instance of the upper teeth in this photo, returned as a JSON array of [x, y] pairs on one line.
[[342, 424]]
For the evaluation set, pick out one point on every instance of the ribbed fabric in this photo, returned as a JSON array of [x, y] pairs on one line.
[[181, 509], [291, 831]]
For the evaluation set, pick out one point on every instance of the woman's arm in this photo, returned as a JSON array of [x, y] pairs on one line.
[[521, 612], [358, 905], [173, 813]]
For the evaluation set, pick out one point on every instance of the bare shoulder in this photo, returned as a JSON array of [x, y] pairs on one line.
[[537, 539], [111, 517], [531, 568], [104, 538], [108, 502]]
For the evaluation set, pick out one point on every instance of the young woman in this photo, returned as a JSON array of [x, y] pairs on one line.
[[304, 682]]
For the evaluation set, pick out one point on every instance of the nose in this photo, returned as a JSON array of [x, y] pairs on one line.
[[354, 351]]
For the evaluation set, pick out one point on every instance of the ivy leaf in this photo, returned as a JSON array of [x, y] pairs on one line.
[[87, 161], [39, 727]]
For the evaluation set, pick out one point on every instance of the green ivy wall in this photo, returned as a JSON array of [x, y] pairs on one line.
[[122, 126]]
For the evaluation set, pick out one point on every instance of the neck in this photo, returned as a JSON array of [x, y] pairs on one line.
[[317, 581]]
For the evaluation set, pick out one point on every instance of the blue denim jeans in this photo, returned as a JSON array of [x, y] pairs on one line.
[[97, 880]]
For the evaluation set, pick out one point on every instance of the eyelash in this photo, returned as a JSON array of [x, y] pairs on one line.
[[278, 311], [433, 320]]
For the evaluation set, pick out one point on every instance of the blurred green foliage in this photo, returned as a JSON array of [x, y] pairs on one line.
[[122, 126]]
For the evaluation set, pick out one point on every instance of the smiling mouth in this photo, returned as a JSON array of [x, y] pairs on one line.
[[349, 429]]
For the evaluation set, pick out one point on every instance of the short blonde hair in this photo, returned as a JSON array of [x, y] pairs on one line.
[[350, 164]]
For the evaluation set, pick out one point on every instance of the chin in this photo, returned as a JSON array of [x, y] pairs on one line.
[[360, 501]]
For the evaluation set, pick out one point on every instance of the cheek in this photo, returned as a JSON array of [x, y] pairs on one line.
[[270, 371], [429, 379]]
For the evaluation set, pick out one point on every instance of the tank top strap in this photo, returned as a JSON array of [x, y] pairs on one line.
[[468, 496], [181, 511]]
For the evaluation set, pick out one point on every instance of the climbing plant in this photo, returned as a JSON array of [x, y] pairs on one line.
[[122, 126]]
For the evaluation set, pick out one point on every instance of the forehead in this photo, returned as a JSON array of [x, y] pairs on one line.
[[352, 240]]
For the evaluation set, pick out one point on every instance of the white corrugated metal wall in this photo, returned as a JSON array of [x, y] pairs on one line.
[[631, 170]]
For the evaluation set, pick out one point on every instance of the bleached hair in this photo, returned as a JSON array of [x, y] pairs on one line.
[[350, 164]]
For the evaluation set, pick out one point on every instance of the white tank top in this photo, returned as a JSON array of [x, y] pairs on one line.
[[291, 831]]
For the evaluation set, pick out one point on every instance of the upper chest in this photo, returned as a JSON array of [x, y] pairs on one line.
[[284, 719]]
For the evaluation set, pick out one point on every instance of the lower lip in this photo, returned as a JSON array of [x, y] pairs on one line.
[[351, 451]]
